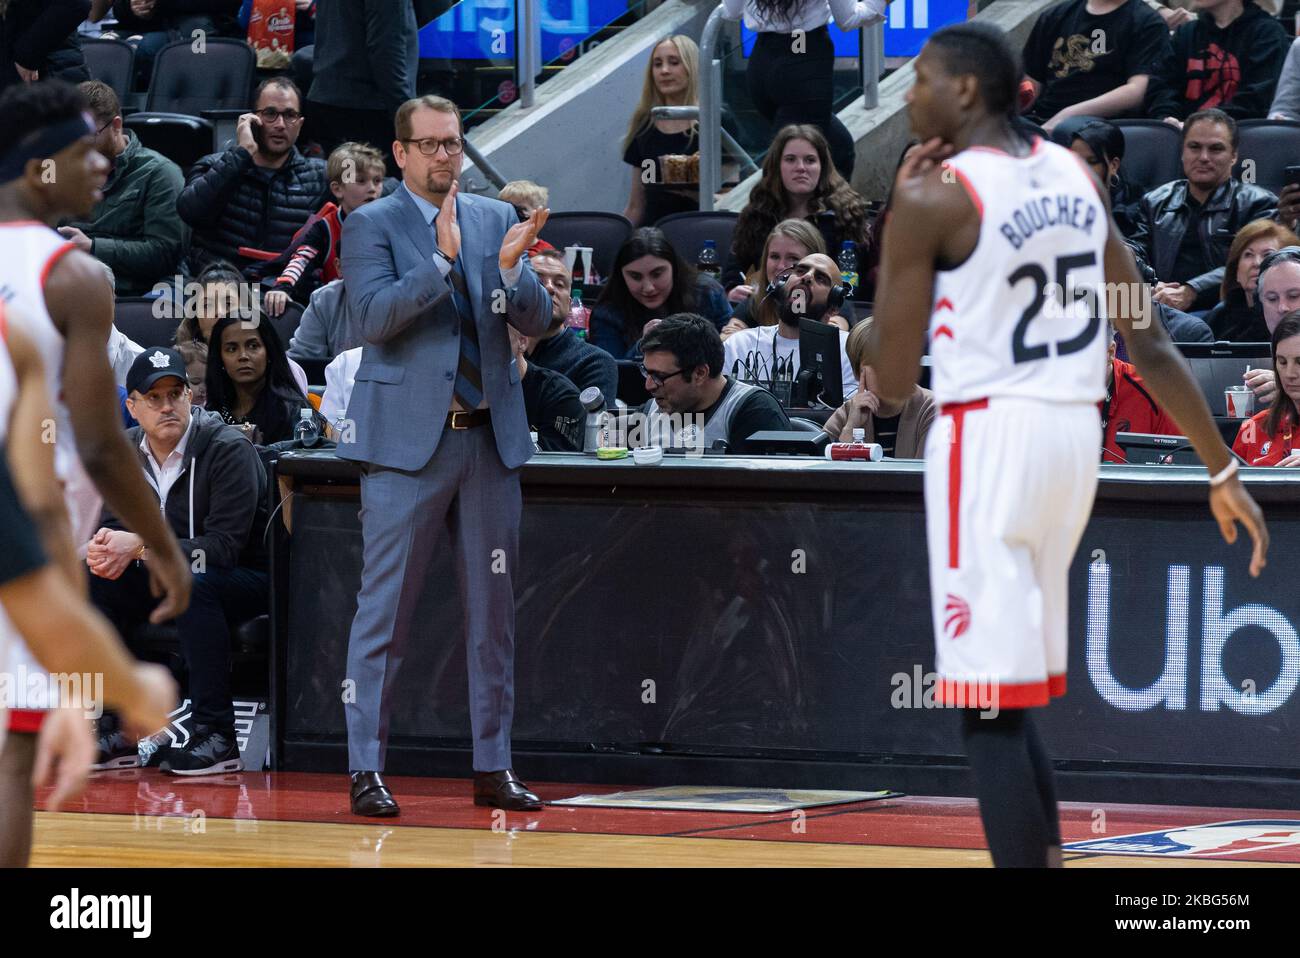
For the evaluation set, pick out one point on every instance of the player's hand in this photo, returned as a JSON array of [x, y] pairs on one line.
[[1264, 384], [445, 226], [275, 302], [739, 294], [521, 237], [921, 159], [1231, 503], [65, 749], [244, 132], [155, 697], [169, 579]]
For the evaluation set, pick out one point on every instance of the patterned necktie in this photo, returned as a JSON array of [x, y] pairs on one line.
[[468, 388]]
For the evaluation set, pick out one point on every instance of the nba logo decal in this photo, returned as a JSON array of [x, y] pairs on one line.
[[957, 617], [1201, 841]]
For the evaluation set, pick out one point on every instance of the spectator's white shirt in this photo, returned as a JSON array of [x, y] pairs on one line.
[[760, 355], [165, 476], [339, 377], [299, 375], [121, 354], [848, 14]]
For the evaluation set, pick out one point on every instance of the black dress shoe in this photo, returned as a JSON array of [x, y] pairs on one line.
[[370, 796], [504, 790]]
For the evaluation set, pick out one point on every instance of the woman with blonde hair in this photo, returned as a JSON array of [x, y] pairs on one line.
[[664, 154], [790, 241]]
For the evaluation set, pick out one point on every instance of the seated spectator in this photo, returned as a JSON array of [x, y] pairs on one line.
[[1239, 317], [1128, 407], [526, 196], [259, 193], [249, 381], [798, 182], [1267, 438], [1100, 144], [1184, 228], [1278, 290], [211, 487], [223, 286], [900, 429], [662, 186], [560, 349], [134, 229], [159, 22], [651, 281], [550, 402], [40, 41], [195, 355], [1092, 58], [770, 354], [1228, 58], [1286, 101], [356, 177], [692, 403], [789, 242]]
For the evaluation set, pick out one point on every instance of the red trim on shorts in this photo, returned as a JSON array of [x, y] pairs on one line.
[[969, 187], [4, 323], [958, 412], [958, 693], [57, 255], [26, 720]]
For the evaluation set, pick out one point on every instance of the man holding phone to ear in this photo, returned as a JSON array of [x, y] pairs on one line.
[[258, 193]]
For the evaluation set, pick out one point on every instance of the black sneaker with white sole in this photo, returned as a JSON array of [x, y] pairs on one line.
[[116, 750], [209, 752]]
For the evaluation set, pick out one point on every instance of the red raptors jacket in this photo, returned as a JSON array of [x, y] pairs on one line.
[[1130, 408], [1257, 447]]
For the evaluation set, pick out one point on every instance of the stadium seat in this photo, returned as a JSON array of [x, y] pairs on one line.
[[799, 424], [1153, 152], [182, 139], [186, 81], [135, 318], [111, 61], [1270, 146], [688, 231], [603, 232]]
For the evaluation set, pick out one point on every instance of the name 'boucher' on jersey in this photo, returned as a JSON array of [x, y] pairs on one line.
[[1025, 314]]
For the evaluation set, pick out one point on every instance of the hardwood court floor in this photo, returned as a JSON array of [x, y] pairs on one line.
[[143, 818]]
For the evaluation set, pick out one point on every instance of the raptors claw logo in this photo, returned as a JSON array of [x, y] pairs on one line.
[[957, 618]]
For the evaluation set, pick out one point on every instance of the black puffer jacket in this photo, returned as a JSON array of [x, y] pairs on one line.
[[229, 202], [1162, 220]]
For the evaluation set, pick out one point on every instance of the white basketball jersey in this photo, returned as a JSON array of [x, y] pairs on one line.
[[28, 251], [8, 377], [1024, 315]]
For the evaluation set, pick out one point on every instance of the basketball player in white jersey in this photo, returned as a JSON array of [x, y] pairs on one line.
[[50, 170], [44, 600], [996, 251]]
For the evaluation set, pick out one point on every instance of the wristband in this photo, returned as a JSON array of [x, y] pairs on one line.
[[1228, 472], [439, 252]]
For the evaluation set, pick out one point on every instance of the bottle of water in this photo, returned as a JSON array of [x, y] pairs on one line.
[[708, 260], [579, 316], [848, 264], [307, 432]]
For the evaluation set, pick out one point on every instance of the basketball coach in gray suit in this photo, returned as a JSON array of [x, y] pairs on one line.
[[438, 420]]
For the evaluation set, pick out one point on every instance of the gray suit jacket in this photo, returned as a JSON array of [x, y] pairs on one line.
[[402, 309]]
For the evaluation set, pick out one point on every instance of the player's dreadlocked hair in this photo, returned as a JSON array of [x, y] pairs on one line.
[[26, 108], [982, 50]]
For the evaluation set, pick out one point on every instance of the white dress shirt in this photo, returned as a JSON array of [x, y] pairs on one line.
[[164, 477], [340, 375], [812, 14]]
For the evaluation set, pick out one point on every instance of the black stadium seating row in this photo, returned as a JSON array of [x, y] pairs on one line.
[[145, 321], [1153, 152]]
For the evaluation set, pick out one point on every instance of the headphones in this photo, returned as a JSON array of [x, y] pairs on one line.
[[834, 299]]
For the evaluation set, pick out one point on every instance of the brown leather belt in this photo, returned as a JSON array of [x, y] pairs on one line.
[[469, 420]]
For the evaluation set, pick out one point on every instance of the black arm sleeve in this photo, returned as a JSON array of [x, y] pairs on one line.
[[22, 553]]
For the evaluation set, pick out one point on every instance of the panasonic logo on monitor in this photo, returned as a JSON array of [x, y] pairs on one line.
[[1217, 628]]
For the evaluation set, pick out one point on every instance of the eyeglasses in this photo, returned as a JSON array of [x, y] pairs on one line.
[[171, 397], [659, 378], [107, 124], [429, 146], [270, 115]]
